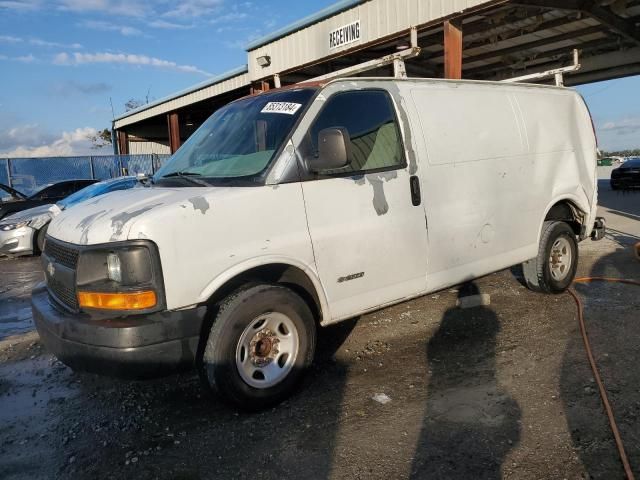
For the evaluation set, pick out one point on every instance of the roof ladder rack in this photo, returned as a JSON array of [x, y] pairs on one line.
[[558, 73]]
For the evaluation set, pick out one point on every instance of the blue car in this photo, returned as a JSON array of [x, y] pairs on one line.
[[23, 233]]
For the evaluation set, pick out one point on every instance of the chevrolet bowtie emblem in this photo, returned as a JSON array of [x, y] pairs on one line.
[[51, 269]]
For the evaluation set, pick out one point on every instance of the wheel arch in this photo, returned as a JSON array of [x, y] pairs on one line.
[[566, 209], [284, 271]]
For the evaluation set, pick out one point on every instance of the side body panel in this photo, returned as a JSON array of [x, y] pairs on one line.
[[496, 159]]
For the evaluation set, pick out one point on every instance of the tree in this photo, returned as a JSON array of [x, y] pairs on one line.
[[101, 139], [133, 103]]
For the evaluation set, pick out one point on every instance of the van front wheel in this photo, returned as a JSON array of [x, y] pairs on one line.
[[554, 269], [261, 341]]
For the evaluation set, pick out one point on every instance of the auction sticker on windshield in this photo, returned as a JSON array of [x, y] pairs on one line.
[[287, 108]]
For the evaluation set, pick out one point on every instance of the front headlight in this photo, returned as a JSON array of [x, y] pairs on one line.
[[123, 276], [7, 227]]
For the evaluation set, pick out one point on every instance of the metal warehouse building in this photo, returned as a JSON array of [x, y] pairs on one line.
[[474, 39]]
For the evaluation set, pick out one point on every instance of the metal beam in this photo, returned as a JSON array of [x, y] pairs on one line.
[[624, 27], [452, 50], [606, 17], [538, 43], [593, 66], [536, 58], [600, 75]]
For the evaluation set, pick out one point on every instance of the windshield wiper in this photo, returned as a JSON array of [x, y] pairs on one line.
[[188, 176]]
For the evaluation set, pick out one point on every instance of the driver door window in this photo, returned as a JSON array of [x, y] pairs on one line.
[[374, 135]]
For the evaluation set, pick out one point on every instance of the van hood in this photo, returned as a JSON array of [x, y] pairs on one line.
[[110, 217]]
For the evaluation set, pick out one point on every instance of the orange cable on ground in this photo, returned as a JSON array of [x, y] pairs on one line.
[[594, 367]]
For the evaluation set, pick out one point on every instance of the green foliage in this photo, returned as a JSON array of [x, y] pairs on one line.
[[623, 153], [101, 139]]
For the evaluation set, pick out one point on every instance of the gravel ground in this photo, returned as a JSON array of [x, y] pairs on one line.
[[500, 391]]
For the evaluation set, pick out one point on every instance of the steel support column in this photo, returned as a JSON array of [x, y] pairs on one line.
[[174, 131], [123, 143], [452, 49], [259, 87]]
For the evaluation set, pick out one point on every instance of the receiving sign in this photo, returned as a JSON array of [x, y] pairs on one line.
[[344, 35], [287, 108]]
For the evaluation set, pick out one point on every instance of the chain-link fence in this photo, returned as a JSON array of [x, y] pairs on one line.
[[28, 175]]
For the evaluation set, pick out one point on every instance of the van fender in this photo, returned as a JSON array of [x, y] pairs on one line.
[[265, 260], [574, 199]]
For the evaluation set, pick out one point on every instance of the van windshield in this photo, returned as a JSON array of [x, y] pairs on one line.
[[239, 140]]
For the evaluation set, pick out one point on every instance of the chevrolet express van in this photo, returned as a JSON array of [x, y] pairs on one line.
[[304, 206]]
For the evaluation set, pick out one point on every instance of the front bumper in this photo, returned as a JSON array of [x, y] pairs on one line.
[[17, 242], [140, 346]]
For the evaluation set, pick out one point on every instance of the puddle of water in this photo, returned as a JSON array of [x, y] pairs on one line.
[[25, 391], [15, 320], [17, 279]]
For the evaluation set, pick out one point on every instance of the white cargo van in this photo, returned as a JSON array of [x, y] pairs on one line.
[[307, 205]]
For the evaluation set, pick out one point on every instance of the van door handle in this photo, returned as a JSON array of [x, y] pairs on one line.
[[414, 185]]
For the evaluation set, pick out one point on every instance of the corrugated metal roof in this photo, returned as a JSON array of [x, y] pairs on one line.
[[207, 83], [305, 22]]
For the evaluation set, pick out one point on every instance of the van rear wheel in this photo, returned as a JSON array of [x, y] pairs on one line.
[[261, 341], [554, 269]]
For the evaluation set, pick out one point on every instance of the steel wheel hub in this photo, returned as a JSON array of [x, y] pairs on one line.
[[267, 350], [560, 259]]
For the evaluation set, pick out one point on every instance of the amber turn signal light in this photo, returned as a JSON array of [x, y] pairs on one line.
[[118, 301]]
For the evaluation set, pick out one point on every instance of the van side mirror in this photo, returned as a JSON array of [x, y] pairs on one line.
[[333, 150]]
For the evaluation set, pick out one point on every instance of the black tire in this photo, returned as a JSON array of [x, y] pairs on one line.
[[40, 236], [235, 314], [537, 271]]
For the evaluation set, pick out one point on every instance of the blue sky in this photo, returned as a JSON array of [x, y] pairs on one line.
[[62, 60]]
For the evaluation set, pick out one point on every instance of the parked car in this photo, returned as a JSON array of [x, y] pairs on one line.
[[47, 195], [308, 205], [626, 175], [23, 233], [8, 194]]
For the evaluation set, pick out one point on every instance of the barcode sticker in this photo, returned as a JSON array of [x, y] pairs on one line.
[[281, 107]]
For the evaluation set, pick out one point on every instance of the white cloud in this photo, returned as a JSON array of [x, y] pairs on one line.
[[111, 27], [194, 8], [71, 87], [21, 58], [125, 59], [169, 25], [25, 58], [38, 42], [75, 142], [20, 5], [44, 43], [228, 17], [129, 8], [619, 134], [625, 126], [10, 39]]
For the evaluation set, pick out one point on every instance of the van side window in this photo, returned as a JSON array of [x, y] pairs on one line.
[[369, 118]]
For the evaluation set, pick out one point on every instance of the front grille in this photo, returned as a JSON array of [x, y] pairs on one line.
[[61, 253], [60, 263], [63, 293]]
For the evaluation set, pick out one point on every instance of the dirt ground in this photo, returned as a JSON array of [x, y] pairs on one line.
[[502, 391]]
